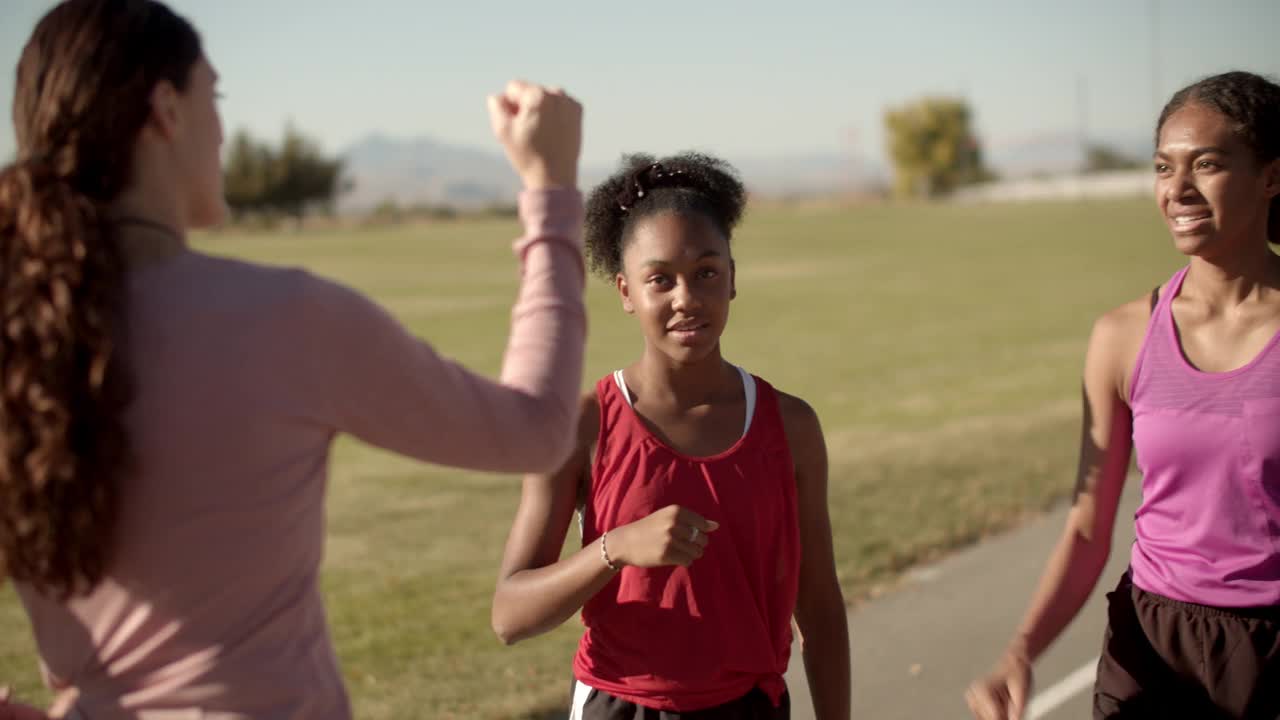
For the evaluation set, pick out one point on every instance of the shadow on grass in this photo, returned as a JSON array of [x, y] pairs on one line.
[[559, 713]]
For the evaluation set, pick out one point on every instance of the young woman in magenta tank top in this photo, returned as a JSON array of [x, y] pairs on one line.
[[1188, 376], [701, 489]]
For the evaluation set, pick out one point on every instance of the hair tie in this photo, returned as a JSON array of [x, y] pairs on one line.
[[643, 180]]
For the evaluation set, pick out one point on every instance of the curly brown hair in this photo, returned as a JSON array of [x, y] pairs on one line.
[[688, 183], [83, 94]]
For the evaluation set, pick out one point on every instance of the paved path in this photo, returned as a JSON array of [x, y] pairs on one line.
[[916, 648]]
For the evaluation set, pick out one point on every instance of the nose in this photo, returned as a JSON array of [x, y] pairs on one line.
[[1180, 186], [685, 299]]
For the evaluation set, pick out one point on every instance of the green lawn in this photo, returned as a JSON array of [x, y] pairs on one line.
[[941, 346]]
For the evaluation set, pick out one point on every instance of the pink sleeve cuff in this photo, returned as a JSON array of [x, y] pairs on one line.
[[552, 215]]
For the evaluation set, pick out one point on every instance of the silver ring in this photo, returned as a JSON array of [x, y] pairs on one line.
[[693, 534]]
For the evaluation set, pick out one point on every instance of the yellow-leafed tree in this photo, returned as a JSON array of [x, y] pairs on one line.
[[932, 147]]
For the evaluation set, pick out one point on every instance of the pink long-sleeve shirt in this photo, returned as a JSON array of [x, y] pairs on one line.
[[211, 607]]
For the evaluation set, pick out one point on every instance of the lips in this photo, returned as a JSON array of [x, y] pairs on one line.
[[1190, 221], [689, 333], [688, 325]]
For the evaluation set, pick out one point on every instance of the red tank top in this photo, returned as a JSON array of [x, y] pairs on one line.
[[684, 639]]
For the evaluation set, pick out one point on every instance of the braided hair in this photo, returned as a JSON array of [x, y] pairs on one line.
[[83, 95]]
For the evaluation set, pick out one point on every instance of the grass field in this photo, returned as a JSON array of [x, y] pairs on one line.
[[941, 346]]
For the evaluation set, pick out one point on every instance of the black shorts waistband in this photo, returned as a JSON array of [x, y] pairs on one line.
[[1270, 613]]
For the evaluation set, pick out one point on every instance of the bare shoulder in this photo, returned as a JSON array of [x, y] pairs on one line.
[[1127, 321], [1116, 340], [795, 410], [588, 419], [800, 421]]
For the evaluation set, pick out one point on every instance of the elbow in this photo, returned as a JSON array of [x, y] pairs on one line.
[[505, 634], [561, 438], [1101, 555], [502, 628], [558, 448], [1092, 547], [551, 438], [824, 628], [1102, 548], [532, 430], [822, 621], [505, 627], [543, 455], [508, 633]]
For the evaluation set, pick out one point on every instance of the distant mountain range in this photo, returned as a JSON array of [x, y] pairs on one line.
[[1055, 153], [424, 171]]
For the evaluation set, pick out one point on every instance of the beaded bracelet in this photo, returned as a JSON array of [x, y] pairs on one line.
[[604, 552]]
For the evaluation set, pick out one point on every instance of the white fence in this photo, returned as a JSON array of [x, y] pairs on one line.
[[1122, 183]]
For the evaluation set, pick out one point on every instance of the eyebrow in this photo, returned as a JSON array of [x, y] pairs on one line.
[[656, 262], [1196, 152]]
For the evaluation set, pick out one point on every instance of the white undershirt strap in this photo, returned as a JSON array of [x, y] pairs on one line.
[[748, 388]]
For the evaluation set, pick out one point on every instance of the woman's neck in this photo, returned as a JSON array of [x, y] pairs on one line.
[[148, 226], [684, 384], [1233, 279]]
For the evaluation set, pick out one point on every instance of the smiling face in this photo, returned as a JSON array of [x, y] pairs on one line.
[[678, 279], [1211, 188]]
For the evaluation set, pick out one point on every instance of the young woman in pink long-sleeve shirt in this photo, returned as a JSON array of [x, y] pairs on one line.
[[167, 415]]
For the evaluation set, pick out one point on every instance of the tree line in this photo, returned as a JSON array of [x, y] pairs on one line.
[[931, 144], [288, 179]]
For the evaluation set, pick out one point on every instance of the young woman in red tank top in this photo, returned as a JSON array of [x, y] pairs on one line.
[[702, 491]]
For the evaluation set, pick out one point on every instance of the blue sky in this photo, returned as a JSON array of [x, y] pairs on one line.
[[743, 78]]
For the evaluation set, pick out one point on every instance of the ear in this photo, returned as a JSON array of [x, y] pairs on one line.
[[624, 291], [165, 110], [1271, 179], [733, 279]]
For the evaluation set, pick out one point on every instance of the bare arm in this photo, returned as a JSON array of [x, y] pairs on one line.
[[1085, 545], [1081, 553], [536, 590], [820, 611]]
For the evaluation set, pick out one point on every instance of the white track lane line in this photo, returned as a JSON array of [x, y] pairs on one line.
[[1068, 687]]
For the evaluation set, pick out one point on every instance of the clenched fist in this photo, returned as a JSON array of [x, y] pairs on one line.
[[541, 130], [670, 536]]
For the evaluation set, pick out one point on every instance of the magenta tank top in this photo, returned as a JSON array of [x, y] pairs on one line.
[[1208, 446]]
